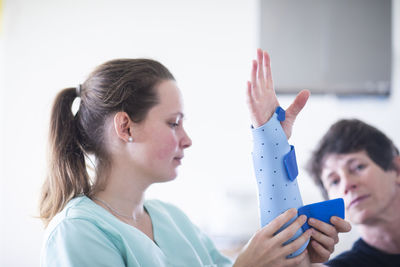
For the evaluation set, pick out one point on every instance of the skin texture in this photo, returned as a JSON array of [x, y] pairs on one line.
[[262, 102], [371, 196]]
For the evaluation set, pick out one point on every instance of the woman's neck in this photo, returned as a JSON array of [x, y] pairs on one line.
[[383, 233], [124, 192], [386, 240], [127, 205]]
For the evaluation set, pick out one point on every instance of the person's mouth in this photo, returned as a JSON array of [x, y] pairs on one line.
[[357, 200], [178, 159]]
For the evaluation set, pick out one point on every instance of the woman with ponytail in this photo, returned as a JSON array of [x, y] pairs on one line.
[[129, 126]]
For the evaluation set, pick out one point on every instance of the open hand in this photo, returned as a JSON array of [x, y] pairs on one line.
[[261, 97]]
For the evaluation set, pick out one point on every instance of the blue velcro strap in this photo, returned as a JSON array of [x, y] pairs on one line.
[[281, 113], [291, 164], [323, 211]]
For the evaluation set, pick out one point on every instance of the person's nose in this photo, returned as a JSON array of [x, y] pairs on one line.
[[350, 182], [185, 140]]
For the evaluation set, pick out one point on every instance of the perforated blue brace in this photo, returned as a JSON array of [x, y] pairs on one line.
[[276, 171]]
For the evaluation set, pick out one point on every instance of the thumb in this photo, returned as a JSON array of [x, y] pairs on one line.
[[299, 102], [293, 110]]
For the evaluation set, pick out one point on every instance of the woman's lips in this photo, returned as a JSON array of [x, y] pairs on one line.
[[178, 159], [357, 200]]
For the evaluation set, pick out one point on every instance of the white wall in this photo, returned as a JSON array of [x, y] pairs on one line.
[[51, 44]]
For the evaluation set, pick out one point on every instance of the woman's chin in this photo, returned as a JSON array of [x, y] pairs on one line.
[[168, 178], [359, 217]]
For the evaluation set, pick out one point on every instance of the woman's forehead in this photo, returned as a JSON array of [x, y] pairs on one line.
[[169, 98], [335, 160]]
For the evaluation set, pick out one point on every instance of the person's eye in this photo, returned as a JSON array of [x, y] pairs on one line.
[[360, 167], [334, 182], [173, 124]]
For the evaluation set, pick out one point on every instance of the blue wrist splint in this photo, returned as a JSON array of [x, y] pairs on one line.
[[276, 172]]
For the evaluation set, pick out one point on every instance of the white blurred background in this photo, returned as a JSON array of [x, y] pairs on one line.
[[47, 45]]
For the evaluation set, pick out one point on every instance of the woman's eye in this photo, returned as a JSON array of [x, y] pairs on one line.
[[334, 182], [173, 124], [360, 167]]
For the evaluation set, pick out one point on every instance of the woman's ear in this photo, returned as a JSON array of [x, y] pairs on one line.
[[123, 126]]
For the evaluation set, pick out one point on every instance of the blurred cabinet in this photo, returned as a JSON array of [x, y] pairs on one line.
[[341, 47]]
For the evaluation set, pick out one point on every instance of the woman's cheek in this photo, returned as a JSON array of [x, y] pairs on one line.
[[167, 148]]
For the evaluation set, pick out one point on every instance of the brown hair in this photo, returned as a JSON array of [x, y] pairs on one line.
[[348, 136], [118, 85]]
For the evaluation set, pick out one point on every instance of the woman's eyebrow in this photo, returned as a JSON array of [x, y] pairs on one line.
[[350, 161], [180, 114], [329, 176]]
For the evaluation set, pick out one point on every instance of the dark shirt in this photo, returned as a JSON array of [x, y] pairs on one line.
[[363, 255]]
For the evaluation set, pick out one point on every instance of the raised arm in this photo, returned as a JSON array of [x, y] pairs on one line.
[[262, 102]]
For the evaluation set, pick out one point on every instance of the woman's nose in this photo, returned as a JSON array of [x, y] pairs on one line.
[[349, 183], [186, 141]]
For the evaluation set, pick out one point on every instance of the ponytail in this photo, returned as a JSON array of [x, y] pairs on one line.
[[67, 176]]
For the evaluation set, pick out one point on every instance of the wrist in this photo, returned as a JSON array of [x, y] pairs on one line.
[[239, 261], [258, 121]]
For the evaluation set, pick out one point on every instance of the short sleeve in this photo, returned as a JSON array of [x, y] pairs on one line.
[[79, 242]]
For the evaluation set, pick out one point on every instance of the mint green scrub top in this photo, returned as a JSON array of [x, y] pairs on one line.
[[85, 234]]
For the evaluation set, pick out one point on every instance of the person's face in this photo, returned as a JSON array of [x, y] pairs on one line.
[[366, 188], [160, 139]]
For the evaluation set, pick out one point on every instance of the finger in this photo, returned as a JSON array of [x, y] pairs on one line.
[[291, 230], [298, 243], [276, 224], [261, 77], [324, 228], [250, 96], [299, 102], [249, 91], [268, 74], [327, 242], [297, 260], [320, 250], [254, 79], [342, 226]]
